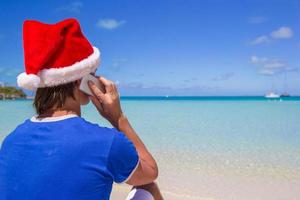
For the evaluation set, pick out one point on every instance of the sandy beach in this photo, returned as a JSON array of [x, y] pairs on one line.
[[200, 185]]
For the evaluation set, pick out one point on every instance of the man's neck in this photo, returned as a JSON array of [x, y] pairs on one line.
[[71, 107]]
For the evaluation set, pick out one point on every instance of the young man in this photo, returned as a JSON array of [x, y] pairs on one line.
[[57, 154]]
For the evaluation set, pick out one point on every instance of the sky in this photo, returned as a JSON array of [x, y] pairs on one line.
[[174, 47]]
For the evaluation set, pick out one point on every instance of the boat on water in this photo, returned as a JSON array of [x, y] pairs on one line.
[[272, 95], [284, 95]]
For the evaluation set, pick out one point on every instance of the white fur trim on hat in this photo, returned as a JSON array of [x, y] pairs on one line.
[[28, 81], [58, 76]]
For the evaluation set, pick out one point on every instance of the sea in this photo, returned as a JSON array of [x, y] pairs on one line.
[[213, 148]]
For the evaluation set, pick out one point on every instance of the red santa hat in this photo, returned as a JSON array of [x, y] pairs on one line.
[[55, 54]]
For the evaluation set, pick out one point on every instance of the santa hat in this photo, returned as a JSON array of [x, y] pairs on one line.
[[55, 54]]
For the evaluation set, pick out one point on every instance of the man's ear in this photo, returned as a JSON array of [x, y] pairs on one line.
[[78, 82]]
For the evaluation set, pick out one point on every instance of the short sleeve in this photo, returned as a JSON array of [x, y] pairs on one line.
[[123, 158]]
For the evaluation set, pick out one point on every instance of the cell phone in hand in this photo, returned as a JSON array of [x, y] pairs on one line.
[[85, 87]]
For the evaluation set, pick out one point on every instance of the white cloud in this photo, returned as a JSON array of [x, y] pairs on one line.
[[266, 72], [109, 24], [257, 20], [260, 40], [282, 33], [74, 7], [254, 59], [257, 60], [268, 66], [275, 64]]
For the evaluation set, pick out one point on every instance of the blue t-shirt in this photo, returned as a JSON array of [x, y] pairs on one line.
[[65, 159]]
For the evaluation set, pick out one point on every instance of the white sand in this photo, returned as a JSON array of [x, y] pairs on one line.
[[222, 183], [217, 188]]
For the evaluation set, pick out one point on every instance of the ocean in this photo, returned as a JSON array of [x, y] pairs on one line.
[[208, 147]]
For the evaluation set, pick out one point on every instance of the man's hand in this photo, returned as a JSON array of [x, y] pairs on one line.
[[107, 102]]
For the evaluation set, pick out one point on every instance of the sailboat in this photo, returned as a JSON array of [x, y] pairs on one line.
[[272, 95], [285, 94]]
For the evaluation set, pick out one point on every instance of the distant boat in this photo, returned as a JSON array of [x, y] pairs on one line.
[[285, 95], [29, 97], [272, 95]]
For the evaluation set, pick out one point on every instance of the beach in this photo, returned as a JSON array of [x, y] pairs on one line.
[[207, 148]]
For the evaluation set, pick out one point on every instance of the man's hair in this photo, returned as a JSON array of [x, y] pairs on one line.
[[51, 98]]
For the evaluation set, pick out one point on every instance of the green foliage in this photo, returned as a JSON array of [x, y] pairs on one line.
[[12, 91]]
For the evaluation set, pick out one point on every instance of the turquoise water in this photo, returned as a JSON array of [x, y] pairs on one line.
[[210, 98], [251, 134]]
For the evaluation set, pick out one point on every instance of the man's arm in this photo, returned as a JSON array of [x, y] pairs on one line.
[[147, 170], [107, 103]]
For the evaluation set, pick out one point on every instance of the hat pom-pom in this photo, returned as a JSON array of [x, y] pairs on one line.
[[28, 81]]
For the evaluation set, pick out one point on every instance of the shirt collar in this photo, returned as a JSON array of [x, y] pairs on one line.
[[52, 119]]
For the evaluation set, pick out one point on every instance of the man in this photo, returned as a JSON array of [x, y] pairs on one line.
[[57, 154]]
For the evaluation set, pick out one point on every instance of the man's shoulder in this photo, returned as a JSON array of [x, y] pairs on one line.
[[94, 136], [75, 127], [16, 133], [94, 130], [95, 126]]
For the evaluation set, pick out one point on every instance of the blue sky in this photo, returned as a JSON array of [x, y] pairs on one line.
[[176, 47]]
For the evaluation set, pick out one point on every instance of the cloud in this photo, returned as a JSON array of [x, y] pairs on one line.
[[257, 20], [260, 40], [224, 77], [257, 60], [267, 72], [282, 33], [74, 7], [268, 63], [270, 67], [109, 24]]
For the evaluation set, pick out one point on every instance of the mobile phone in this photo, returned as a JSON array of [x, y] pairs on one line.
[[85, 87]]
